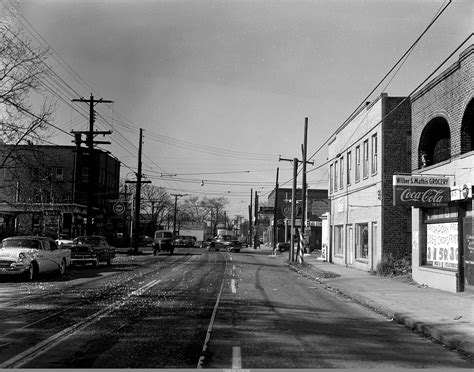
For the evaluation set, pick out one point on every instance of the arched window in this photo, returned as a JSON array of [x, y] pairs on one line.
[[467, 129], [435, 143]]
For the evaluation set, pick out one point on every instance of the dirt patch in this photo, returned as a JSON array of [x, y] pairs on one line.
[[311, 271]]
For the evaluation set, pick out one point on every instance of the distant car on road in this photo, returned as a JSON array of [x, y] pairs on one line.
[[91, 249], [32, 256], [227, 242], [163, 241]]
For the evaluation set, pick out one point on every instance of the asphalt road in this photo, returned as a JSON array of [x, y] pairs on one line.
[[199, 309]]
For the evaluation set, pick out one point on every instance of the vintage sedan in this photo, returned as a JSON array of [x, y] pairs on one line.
[[32, 255], [91, 249]]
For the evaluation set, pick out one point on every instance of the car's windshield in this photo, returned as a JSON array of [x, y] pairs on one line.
[[22, 243], [163, 234], [87, 240]]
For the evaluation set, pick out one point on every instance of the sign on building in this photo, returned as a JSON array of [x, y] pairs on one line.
[[421, 191], [461, 192]]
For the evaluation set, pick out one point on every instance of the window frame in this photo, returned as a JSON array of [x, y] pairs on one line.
[[365, 161], [374, 153], [357, 164], [349, 167]]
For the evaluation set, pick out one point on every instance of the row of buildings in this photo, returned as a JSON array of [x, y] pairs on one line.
[[400, 182]]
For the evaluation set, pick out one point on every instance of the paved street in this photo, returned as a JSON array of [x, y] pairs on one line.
[[199, 309]]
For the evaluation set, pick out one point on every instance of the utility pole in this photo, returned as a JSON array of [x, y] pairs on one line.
[[256, 241], [136, 233], [295, 162], [275, 224], [176, 196], [92, 163], [251, 222], [304, 186]]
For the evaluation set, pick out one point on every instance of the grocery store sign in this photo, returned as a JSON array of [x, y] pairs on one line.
[[421, 191]]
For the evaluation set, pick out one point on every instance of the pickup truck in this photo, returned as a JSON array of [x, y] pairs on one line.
[[32, 256], [91, 249]]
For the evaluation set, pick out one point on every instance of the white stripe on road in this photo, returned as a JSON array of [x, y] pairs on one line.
[[236, 358], [232, 286], [46, 345]]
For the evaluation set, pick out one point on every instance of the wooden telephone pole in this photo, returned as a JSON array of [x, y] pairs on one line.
[[136, 230], [293, 197], [92, 163]]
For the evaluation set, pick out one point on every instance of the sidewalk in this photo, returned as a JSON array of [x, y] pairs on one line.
[[445, 316]]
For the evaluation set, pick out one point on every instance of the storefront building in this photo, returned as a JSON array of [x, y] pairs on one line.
[[365, 153], [45, 190], [317, 204], [443, 137]]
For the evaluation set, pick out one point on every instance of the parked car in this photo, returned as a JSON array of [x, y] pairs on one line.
[[91, 249], [63, 241], [188, 240], [206, 243], [178, 240], [145, 240], [163, 241], [32, 256], [283, 246]]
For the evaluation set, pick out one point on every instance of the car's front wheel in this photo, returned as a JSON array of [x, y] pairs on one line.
[[33, 272], [62, 267]]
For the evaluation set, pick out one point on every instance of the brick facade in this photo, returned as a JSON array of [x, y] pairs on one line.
[[443, 128]]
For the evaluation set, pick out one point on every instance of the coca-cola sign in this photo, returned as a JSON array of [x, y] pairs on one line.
[[421, 191]]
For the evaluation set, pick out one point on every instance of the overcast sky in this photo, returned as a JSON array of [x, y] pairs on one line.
[[225, 86]]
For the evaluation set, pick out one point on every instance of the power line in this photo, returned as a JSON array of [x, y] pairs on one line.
[[409, 50]]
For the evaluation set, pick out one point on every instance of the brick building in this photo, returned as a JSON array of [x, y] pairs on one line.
[[364, 153], [317, 205], [45, 190], [443, 137]]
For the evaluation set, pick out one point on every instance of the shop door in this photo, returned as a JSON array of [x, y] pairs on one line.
[[468, 244]]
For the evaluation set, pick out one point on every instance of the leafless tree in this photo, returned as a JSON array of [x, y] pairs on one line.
[[22, 71]]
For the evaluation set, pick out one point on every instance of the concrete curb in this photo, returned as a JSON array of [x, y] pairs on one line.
[[451, 341]]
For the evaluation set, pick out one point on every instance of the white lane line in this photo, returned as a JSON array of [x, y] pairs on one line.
[[211, 323], [232, 286], [28, 355], [236, 358]]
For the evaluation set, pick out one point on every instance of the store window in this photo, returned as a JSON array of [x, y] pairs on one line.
[[362, 241], [338, 240], [441, 250]]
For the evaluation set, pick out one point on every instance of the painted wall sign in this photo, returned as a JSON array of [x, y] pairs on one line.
[[421, 191]]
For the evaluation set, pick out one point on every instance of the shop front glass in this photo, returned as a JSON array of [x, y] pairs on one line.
[[441, 250]]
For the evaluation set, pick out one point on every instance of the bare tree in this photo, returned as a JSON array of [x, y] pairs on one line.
[[22, 70], [156, 203], [215, 211]]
